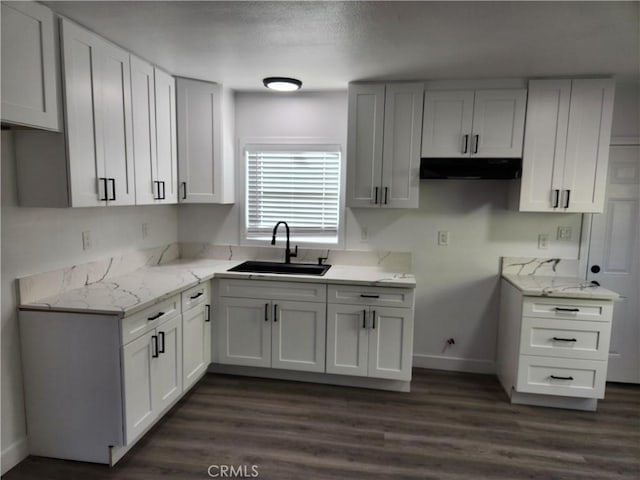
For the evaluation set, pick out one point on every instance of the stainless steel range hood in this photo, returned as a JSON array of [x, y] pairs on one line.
[[478, 168]]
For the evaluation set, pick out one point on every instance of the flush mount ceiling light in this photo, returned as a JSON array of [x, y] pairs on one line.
[[282, 84]]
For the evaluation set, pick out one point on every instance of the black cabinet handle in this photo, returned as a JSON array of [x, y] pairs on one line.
[[164, 192], [556, 196], [364, 295], [266, 312], [465, 143], [475, 143], [197, 295], [156, 190], [566, 203], [275, 312], [161, 349], [386, 194], [556, 377], [184, 190], [373, 318], [375, 201], [364, 318], [154, 346], [562, 309], [155, 317], [113, 188], [207, 309], [104, 187], [560, 339]]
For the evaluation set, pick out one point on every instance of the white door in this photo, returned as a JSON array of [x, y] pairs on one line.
[[167, 159], [137, 358], [588, 138], [167, 367], [30, 93], [347, 339], [615, 250], [244, 335], [446, 129], [544, 145], [298, 334], [390, 348], [401, 145], [364, 145], [144, 131], [196, 341], [498, 123], [116, 148], [81, 69]]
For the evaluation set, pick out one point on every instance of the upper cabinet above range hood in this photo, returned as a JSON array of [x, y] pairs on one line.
[[481, 168]]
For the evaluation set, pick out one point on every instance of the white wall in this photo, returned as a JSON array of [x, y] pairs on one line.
[[36, 240]]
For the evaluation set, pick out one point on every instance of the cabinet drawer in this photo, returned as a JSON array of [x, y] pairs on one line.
[[195, 296], [149, 318], [274, 290], [363, 295], [568, 308], [560, 376], [565, 338]]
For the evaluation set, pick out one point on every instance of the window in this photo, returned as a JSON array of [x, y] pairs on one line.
[[297, 184]]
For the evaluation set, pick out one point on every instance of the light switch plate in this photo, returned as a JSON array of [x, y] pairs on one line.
[[443, 237]]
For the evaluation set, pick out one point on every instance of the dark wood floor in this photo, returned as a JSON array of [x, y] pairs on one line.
[[451, 426]]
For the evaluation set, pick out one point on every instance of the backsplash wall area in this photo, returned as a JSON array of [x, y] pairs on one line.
[[38, 240]]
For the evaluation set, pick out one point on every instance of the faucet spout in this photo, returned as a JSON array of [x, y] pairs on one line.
[[287, 253]]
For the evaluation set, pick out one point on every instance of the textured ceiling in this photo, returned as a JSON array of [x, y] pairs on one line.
[[327, 44]]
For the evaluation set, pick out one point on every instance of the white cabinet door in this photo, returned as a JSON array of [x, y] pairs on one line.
[[138, 385], [196, 344], [244, 333], [167, 157], [347, 339], [587, 155], [298, 336], [364, 144], [390, 348], [167, 368], [144, 131], [30, 92], [401, 151], [544, 145], [448, 117], [498, 123]]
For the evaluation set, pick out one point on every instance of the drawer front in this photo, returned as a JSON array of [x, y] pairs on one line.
[[559, 376], [273, 290], [565, 338], [568, 308], [198, 295], [149, 318], [363, 295]]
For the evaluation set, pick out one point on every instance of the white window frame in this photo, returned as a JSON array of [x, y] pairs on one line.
[[290, 144]]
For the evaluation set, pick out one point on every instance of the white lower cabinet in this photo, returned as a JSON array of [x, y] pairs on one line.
[[196, 333]]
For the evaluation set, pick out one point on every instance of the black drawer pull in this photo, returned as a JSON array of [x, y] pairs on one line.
[[161, 349], [199, 294], [208, 310], [373, 316], [369, 296], [266, 312], [562, 309], [275, 312], [556, 377], [558, 339], [154, 346], [364, 318], [155, 317]]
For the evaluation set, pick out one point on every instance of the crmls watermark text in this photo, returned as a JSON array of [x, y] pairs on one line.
[[233, 471]]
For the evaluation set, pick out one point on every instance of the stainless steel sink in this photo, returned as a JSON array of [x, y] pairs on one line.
[[253, 266]]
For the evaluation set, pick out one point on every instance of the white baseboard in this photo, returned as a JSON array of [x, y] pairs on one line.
[[455, 364], [13, 455]]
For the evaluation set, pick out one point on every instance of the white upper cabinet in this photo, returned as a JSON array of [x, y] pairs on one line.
[[565, 159], [30, 90], [205, 142], [383, 148], [476, 123], [154, 132]]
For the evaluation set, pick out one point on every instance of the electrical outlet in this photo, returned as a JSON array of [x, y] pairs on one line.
[[145, 230], [564, 233], [86, 240], [443, 237], [543, 241], [364, 234]]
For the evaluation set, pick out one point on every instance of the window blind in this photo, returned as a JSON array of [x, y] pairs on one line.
[[302, 188]]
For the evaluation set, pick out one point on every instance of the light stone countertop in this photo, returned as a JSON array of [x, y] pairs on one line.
[[127, 294], [558, 286]]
